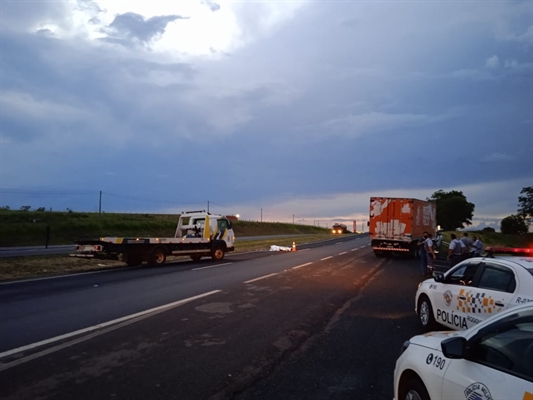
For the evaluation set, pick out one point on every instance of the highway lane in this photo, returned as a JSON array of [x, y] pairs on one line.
[[329, 328], [72, 302]]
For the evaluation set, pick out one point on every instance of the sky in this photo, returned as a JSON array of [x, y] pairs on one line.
[[273, 110]]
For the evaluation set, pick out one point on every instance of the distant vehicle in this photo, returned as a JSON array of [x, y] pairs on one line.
[[473, 290], [492, 360], [397, 224], [339, 228], [198, 234]]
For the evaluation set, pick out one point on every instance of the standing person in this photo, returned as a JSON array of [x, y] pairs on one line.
[[477, 247], [455, 251], [423, 254], [431, 255], [468, 244]]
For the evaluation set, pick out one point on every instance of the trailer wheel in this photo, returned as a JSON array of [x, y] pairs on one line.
[[158, 257], [132, 259], [196, 257], [217, 254]]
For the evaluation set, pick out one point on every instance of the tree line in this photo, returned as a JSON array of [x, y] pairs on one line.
[[454, 211]]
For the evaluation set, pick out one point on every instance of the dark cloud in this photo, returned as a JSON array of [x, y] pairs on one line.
[[133, 28], [254, 126]]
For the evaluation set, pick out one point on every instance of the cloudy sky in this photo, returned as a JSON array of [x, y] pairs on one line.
[[272, 110]]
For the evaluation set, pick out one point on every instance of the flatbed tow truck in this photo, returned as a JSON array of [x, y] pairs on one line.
[[198, 234]]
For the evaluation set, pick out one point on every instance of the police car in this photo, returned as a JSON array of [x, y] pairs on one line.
[[473, 290], [492, 361]]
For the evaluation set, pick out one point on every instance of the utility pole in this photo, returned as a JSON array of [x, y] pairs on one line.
[[100, 204], [293, 219], [261, 215]]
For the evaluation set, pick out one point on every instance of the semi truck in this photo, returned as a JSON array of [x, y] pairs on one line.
[[339, 228], [397, 224], [198, 234]]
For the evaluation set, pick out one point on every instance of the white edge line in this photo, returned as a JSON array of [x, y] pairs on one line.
[[326, 258], [210, 266], [261, 277], [303, 250], [303, 265], [344, 252], [104, 324]]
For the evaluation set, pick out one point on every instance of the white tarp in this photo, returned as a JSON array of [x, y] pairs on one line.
[[280, 248]]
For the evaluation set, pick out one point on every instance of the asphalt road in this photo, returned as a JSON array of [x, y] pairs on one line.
[[326, 321]]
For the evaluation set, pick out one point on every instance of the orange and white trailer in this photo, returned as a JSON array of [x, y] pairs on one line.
[[396, 224]]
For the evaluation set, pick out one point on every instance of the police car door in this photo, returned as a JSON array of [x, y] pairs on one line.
[[453, 295], [498, 364], [494, 289]]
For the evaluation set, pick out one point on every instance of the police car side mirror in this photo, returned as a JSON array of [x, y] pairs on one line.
[[454, 347], [439, 277]]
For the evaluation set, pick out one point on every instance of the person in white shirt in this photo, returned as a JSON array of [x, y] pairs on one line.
[[477, 246], [455, 251], [468, 244], [431, 256]]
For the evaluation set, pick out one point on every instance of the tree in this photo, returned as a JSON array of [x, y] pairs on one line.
[[25, 208], [453, 210], [488, 229], [514, 225], [525, 204]]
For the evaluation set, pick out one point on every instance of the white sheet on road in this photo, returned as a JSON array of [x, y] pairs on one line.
[[280, 248]]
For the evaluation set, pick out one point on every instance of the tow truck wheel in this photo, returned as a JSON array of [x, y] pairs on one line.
[[414, 389], [196, 257], [425, 313], [158, 257], [217, 254]]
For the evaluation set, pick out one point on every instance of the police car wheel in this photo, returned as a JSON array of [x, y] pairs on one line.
[[425, 313], [414, 389]]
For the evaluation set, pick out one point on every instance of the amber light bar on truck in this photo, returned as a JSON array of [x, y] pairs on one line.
[[522, 251]]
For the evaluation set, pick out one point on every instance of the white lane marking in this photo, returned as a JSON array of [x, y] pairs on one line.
[[261, 277], [303, 265], [339, 243], [210, 266], [361, 247], [105, 324], [326, 258], [344, 252], [353, 249], [69, 275]]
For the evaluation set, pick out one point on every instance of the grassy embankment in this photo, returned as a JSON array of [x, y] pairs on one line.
[[494, 239], [28, 228]]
